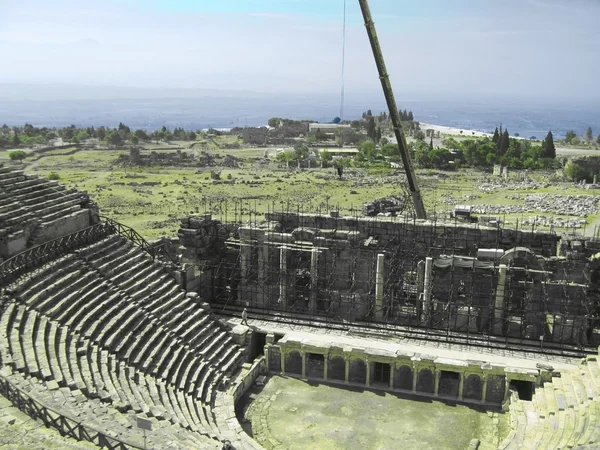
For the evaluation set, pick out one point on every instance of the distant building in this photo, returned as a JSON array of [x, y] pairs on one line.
[[255, 136], [326, 128]]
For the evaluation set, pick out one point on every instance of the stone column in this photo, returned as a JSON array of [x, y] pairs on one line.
[[245, 254], [368, 381], [500, 300], [325, 366], [347, 369], [438, 374], [283, 301], [484, 393], [379, 286], [263, 255], [506, 389], [427, 288], [392, 373], [461, 385], [303, 356], [415, 378], [314, 278], [282, 354]]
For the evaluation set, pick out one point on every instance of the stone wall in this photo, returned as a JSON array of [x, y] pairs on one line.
[[462, 277], [466, 381]]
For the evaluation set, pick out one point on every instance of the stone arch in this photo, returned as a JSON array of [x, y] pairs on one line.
[[293, 363], [473, 387], [403, 378], [522, 254], [358, 371], [425, 381], [336, 368]]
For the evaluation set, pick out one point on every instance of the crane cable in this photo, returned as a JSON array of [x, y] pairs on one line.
[[343, 62]]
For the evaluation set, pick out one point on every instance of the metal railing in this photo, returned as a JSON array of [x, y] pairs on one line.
[[156, 250], [66, 425], [30, 259], [37, 256]]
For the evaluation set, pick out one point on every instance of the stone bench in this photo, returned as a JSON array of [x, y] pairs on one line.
[[97, 249]]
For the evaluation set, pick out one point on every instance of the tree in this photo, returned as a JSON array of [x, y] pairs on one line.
[[17, 155], [326, 158], [371, 129], [378, 135], [300, 153], [419, 135], [548, 146], [496, 137], [368, 150], [588, 136], [113, 138], [16, 141], [81, 136], [390, 150], [410, 116], [141, 135], [569, 135], [285, 157], [101, 133], [575, 172], [274, 122], [440, 158], [504, 143]]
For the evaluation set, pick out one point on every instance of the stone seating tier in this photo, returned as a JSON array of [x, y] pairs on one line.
[[109, 323], [563, 413]]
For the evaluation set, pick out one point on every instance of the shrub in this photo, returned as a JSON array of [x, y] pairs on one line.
[[17, 155], [53, 176]]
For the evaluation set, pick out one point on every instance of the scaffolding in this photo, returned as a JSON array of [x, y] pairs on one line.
[[327, 266]]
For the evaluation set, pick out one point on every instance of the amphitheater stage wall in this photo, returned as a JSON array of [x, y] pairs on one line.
[[401, 371]]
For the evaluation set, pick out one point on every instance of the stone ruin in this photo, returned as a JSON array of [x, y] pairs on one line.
[[198, 158], [407, 272], [101, 328]]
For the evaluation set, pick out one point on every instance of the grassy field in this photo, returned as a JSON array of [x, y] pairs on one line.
[[151, 199], [293, 414]]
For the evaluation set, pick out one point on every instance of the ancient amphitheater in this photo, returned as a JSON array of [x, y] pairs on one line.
[[99, 328]]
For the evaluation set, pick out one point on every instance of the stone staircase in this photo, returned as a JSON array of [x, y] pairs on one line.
[[563, 413], [106, 325]]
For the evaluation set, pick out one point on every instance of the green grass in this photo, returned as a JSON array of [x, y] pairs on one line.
[[250, 189], [293, 414]]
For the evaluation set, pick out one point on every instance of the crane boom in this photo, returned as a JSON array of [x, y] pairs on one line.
[[394, 114]]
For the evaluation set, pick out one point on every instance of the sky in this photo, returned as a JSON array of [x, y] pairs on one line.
[[516, 48]]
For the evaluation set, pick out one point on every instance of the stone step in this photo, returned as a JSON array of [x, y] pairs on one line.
[[50, 341], [73, 360], [43, 277], [6, 319], [149, 342], [173, 369], [16, 349], [73, 289], [104, 262], [167, 303], [102, 247], [118, 267], [123, 382], [42, 357], [195, 328], [60, 348]]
